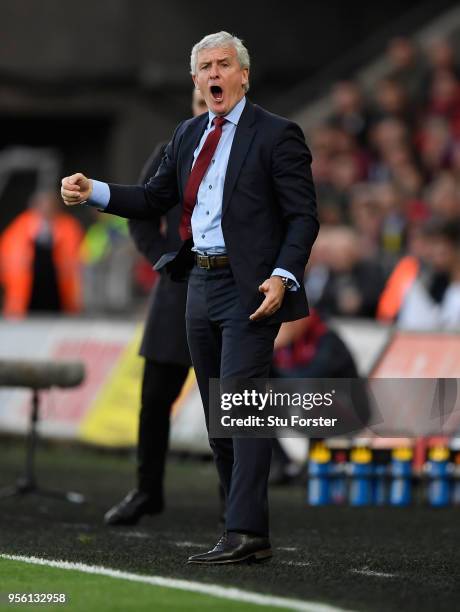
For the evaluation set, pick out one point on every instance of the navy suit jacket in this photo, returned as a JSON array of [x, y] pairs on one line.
[[269, 217]]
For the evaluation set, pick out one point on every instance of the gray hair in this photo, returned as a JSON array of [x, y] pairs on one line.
[[221, 39]]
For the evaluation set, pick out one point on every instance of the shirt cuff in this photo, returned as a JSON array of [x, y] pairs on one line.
[[281, 272], [100, 196]]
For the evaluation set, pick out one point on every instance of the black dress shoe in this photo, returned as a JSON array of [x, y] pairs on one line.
[[132, 508], [236, 547]]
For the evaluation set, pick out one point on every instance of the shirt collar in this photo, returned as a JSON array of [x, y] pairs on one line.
[[233, 116]]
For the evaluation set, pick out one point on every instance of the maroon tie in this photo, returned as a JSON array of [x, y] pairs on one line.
[[196, 176]]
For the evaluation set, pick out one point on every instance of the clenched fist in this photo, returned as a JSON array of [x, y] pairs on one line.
[[76, 189]]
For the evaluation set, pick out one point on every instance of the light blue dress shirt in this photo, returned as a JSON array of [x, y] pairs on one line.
[[208, 238], [206, 218]]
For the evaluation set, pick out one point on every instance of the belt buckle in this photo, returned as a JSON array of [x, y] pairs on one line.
[[206, 260]]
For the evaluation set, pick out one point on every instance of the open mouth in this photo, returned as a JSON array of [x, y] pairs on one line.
[[217, 93]]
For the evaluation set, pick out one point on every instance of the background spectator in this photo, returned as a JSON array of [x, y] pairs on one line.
[[433, 299], [39, 260], [353, 284], [108, 257]]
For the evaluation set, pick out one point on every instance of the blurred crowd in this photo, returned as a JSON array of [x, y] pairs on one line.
[[386, 165], [387, 172]]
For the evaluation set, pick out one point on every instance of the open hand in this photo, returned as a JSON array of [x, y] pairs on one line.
[[274, 293]]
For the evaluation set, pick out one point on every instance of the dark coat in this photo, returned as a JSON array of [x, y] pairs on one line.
[[269, 217], [164, 337]]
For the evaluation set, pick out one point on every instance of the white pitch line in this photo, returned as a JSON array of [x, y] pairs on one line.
[[368, 572], [185, 585], [189, 545]]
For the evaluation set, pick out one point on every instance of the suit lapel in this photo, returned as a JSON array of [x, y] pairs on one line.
[[244, 133], [189, 143]]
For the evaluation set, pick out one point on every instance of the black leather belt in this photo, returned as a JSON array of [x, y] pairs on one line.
[[209, 262]]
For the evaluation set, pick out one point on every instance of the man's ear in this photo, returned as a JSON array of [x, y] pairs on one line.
[[245, 77], [194, 79]]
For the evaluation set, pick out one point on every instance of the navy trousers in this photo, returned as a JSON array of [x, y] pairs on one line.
[[224, 343]]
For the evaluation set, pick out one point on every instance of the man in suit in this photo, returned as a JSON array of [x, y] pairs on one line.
[[248, 223], [165, 350]]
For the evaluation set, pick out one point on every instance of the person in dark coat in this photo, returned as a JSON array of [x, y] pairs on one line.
[[249, 221], [165, 351]]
